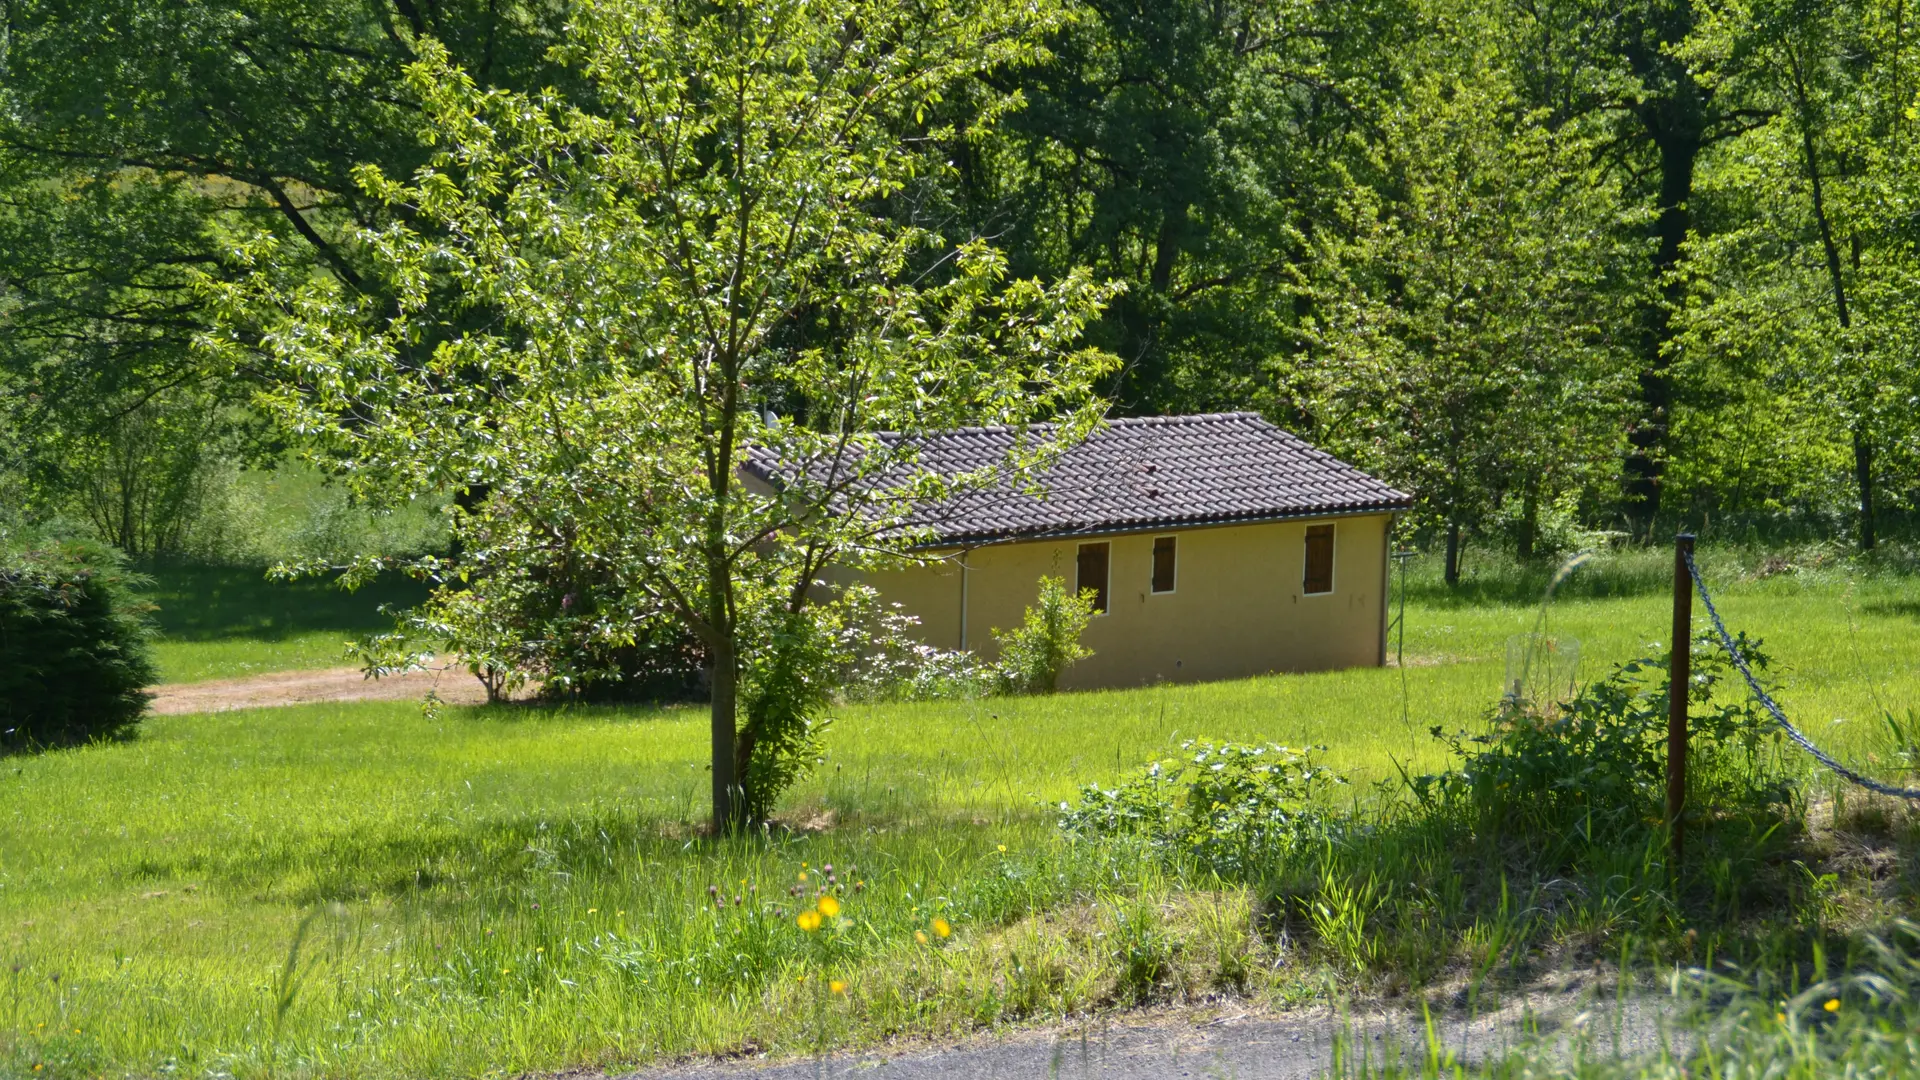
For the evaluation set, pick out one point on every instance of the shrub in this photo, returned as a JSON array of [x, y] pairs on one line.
[[1033, 656], [543, 616], [785, 687], [890, 663], [1232, 809], [1592, 771], [73, 648]]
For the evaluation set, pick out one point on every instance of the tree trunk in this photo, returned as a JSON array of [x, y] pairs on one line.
[[1674, 118], [1677, 136], [1863, 476], [1529, 524], [1842, 313], [727, 801], [1453, 552]]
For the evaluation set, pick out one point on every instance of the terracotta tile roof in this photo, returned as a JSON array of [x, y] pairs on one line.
[[1145, 473]]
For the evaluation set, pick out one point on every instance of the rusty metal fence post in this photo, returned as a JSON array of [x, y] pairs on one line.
[[1679, 672]]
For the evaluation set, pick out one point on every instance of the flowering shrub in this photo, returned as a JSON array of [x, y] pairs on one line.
[[1230, 808], [892, 664]]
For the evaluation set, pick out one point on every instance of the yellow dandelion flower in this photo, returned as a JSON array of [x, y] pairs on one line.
[[1832, 1005], [1003, 849], [942, 927], [837, 986], [808, 920], [803, 875], [829, 906], [920, 936], [1781, 1017]]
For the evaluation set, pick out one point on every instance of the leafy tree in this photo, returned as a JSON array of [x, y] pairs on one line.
[[1810, 288], [685, 266], [1623, 67], [1469, 324], [1185, 147], [138, 138]]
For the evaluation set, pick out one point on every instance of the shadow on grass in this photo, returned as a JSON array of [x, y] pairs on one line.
[[224, 603], [1894, 609], [1524, 584]]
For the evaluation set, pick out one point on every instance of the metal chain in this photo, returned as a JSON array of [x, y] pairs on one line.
[[1740, 662]]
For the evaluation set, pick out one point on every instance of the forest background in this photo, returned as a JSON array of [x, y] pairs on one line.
[[1557, 267]]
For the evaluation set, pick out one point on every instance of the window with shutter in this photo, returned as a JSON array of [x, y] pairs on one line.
[[1319, 571], [1163, 564], [1093, 574]]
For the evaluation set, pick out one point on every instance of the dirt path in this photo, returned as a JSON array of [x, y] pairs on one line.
[[1198, 1043], [452, 683]]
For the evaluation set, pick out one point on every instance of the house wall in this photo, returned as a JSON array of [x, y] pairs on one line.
[[1236, 608]]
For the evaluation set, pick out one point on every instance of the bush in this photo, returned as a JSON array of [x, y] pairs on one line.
[[1235, 810], [1033, 656], [891, 663], [73, 648], [1591, 772]]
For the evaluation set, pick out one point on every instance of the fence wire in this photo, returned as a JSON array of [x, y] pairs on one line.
[[1766, 699]]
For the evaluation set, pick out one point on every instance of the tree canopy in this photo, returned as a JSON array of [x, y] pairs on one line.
[[596, 308]]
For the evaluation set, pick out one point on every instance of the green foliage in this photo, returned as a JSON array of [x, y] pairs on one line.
[[134, 151], [785, 687], [1590, 773], [1231, 809], [1047, 641], [594, 329], [74, 660], [1472, 318]]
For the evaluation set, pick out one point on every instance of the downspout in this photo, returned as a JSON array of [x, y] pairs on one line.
[[1386, 583], [964, 552]]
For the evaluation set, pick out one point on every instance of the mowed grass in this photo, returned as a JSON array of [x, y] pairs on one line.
[[221, 622], [368, 890]]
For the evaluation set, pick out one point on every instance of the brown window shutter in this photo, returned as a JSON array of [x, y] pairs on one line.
[[1093, 574], [1163, 564], [1319, 575]]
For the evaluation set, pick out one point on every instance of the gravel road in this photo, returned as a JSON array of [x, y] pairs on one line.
[[1179, 1044]]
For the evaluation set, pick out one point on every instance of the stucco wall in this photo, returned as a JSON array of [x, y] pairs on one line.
[[1236, 608]]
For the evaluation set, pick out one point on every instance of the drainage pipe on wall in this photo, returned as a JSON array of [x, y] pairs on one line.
[[964, 552]]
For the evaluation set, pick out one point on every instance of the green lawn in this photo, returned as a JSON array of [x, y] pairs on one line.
[[493, 891], [217, 622]]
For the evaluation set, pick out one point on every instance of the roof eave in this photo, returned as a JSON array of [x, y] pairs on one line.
[[985, 539]]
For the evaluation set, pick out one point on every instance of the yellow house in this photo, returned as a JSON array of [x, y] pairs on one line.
[[1217, 546]]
